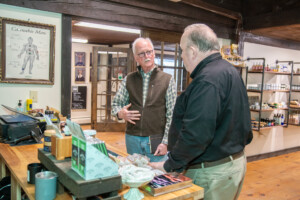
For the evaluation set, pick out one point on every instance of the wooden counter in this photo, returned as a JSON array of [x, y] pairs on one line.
[[17, 158]]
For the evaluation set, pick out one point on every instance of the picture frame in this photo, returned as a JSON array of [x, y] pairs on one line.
[[27, 52], [79, 58], [80, 74]]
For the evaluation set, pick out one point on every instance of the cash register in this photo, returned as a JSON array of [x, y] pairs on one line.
[[20, 128]]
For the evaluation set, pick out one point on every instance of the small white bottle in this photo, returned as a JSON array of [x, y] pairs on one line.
[[20, 107]]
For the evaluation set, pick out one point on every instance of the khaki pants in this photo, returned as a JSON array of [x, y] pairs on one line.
[[221, 182]]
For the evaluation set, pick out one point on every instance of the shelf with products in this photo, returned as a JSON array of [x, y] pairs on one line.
[[295, 108], [270, 72], [259, 91], [294, 117], [266, 88], [268, 110], [276, 90], [268, 127]]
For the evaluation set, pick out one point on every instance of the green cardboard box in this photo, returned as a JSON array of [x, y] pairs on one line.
[[89, 162]]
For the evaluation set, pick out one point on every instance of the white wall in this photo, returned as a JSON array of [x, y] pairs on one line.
[[48, 95], [271, 54], [82, 116], [278, 138]]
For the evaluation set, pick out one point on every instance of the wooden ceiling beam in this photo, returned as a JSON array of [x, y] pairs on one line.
[[120, 13], [258, 39], [220, 11], [214, 9], [273, 19], [168, 7]]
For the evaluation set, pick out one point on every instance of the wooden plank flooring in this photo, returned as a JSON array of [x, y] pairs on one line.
[[276, 178]]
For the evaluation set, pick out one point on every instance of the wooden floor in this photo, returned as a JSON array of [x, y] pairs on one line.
[[276, 178]]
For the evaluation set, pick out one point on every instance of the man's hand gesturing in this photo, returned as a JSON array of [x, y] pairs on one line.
[[129, 115]]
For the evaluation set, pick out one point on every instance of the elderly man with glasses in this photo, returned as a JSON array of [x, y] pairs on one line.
[[145, 100]]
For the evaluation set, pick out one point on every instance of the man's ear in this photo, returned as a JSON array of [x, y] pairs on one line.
[[194, 51]]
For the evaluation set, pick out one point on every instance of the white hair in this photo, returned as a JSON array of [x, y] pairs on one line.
[[203, 37], [140, 39]]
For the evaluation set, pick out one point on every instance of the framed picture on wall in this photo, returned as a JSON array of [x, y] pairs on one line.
[[27, 52], [79, 58], [79, 74]]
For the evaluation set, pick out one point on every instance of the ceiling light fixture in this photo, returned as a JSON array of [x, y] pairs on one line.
[[105, 52], [107, 27], [79, 40]]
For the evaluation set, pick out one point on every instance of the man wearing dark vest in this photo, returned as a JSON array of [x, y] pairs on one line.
[[145, 100]]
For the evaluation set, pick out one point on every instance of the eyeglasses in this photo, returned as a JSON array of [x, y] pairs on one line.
[[143, 54]]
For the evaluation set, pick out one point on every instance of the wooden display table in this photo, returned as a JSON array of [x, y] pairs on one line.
[[17, 158]]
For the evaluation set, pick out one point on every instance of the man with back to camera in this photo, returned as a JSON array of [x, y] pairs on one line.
[[211, 119], [145, 100]]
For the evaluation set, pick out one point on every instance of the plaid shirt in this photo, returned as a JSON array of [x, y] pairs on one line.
[[122, 99]]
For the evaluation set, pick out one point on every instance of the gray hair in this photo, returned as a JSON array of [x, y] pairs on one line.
[[203, 37], [140, 39]]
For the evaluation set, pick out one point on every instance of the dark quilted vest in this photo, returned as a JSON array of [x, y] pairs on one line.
[[153, 117]]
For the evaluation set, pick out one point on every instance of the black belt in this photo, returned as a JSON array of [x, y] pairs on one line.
[[217, 162]]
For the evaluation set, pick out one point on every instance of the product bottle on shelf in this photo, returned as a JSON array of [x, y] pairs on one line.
[[282, 119]]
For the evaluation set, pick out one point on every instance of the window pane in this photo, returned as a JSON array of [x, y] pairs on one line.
[[168, 57]]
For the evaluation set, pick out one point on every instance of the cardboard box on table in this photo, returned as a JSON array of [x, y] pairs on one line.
[[87, 160]]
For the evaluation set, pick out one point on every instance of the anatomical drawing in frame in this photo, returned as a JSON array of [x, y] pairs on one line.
[[27, 52]]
